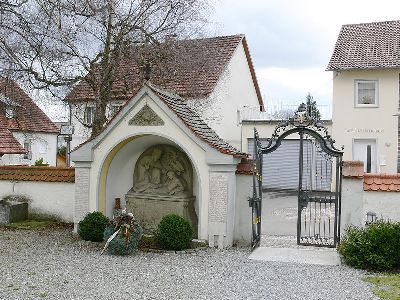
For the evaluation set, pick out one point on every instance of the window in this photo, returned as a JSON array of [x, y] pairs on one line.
[[27, 147], [366, 93], [10, 112], [89, 114]]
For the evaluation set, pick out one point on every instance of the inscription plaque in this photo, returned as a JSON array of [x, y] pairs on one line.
[[218, 198]]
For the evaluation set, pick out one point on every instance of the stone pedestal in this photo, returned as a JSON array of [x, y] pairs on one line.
[[11, 211], [149, 209]]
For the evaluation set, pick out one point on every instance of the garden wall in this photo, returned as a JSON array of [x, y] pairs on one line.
[[49, 190], [363, 193]]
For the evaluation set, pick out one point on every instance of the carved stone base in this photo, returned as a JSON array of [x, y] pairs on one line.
[[149, 209]]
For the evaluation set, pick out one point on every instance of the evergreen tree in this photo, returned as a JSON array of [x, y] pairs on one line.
[[312, 109]]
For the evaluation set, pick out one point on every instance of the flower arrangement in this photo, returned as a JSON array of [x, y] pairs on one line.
[[123, 234]]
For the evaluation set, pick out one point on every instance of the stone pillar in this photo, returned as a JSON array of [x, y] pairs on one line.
[[82, 188], [221, 207], [352, 194]]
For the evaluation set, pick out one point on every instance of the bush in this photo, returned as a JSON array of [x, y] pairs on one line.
[[91, 228], [127, 239], [174, 233], [375, 247]]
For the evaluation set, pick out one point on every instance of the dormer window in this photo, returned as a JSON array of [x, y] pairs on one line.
[[90, 112], [10, 112]]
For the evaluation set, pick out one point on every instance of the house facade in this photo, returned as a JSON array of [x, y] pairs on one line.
[[28, 135], [366, 69], [215, 76]]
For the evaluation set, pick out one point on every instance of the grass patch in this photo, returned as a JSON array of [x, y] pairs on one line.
[[37, 224], [386, 287]]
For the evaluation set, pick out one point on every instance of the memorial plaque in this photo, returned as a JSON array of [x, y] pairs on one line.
[[218, 198]]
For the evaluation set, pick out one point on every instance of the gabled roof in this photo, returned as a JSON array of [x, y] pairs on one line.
[[193, 70], [189, 118], [367, 46], [30, 118]]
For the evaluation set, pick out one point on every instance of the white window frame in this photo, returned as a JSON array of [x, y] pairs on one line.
[[356, 82], [28, 149], [89, 119]]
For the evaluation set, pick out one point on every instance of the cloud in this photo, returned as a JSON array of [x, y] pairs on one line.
[[294, 84]]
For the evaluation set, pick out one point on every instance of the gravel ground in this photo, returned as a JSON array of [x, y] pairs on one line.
[[54, 264]]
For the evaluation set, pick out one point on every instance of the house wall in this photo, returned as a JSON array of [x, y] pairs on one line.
[[234, 90], [77, 111], [51, 199], [350, 122], [43, 145]]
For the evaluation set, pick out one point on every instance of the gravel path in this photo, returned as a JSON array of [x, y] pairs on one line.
[[56, 265]]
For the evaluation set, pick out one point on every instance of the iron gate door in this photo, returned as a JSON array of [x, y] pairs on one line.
[[319, 177]]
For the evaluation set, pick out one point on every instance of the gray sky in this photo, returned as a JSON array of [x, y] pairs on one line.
[[291, 41]]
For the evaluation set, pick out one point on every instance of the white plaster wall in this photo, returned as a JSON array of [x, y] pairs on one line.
[[170, 131], [386, 205], [49, 198], [43, 145], [352, 203], [350, 122], [120, 174], [244, 189], [234, 90]]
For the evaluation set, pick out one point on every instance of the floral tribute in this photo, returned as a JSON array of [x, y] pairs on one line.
[[122, 235]]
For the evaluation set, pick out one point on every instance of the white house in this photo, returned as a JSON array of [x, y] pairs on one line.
[[27, 134], [215, 76], [366, 65]]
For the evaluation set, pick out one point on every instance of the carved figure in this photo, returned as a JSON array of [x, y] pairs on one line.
[[163, 170]]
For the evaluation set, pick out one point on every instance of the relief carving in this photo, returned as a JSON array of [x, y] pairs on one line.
[[146, 117]]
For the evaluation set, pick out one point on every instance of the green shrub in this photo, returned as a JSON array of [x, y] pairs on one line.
[[91, 228], [375, 247], [174, 233]]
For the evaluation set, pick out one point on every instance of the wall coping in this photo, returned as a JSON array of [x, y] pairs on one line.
[[37, 173]]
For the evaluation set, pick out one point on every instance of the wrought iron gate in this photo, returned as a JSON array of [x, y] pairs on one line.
[[256, 201], [319, 182]]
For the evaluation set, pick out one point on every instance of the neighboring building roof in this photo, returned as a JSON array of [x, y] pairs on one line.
[[8, 144], [367, 46], [382, 182], [48, 174], [195, 66], [30, 118]]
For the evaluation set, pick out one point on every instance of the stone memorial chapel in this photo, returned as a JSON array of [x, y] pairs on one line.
[[174, 148]]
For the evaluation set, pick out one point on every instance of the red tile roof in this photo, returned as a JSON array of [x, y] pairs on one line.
[[192, 70], [367, 46], [30, 117], [382, 182], [46, 174]]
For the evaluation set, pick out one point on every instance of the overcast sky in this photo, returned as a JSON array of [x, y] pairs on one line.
[[291, 41]]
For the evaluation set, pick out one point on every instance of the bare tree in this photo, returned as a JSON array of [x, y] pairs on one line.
[[57, 43]]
